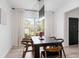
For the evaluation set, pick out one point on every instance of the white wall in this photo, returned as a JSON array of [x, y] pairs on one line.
[[5, 30], [73, 13], [49, 23], [60, 18]]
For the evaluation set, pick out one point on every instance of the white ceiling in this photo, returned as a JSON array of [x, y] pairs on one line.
[[53, 5], [25, 4], [34, 5]]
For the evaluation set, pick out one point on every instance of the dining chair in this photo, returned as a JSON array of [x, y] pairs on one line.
[[25, 48], [53, 49], [62, 47], [27, 42], [51, 52], [53, 37]]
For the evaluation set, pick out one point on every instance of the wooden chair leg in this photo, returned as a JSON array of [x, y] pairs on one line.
[[59, 55], [24, 52], [44, 56], [63, 51]]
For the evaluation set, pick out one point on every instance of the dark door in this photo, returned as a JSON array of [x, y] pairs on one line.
[[73, 31]]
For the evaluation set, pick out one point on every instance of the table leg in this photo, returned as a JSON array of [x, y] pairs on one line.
[[60, 51], [37, 52]]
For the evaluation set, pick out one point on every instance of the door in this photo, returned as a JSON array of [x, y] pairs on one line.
[[73, 31]]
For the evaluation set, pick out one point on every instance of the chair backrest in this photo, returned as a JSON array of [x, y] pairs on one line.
[[52, 50], [53, 37]]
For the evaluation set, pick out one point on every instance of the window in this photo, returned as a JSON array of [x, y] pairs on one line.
[[33, 26]]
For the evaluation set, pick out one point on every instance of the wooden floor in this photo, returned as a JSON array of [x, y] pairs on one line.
[[16, 52]]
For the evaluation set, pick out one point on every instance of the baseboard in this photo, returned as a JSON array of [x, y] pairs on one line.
[[65, 45], [4, 56]]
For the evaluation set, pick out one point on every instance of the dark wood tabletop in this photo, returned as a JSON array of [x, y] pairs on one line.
[[45, 41]]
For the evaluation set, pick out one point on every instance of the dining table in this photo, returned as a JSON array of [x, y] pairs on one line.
[[45, 41]]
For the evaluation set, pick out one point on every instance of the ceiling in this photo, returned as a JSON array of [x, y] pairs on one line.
[[34, 5], [53, 5], [25, 4]]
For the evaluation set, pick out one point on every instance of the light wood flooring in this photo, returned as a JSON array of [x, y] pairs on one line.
[[16, 52]]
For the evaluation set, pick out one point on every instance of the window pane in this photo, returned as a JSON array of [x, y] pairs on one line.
[[33, 26]]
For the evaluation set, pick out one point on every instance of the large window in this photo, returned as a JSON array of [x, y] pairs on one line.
[[33, 26]]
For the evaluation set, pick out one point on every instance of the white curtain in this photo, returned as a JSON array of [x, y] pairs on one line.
[[18, 17], [17, 26]]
